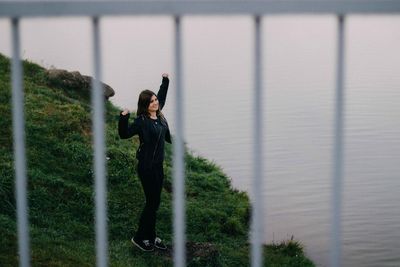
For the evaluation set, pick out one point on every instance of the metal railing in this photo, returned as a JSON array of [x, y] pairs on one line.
[[16, 10]]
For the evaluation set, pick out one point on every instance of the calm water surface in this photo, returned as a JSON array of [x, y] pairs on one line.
[[299, 87], [299, 100]]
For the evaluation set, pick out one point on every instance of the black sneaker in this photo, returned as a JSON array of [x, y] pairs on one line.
[[144, 245], [158, 243]]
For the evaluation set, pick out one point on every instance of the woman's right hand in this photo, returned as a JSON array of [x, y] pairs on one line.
[[125, 112]]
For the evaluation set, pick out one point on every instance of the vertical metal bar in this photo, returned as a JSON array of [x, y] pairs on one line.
[[179, 174], [19, 148], [336, 231], [99, 152], [257, 218]]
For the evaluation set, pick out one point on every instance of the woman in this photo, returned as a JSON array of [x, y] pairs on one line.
[[152, 128]]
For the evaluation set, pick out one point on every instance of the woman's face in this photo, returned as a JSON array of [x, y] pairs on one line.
[[153, 106]]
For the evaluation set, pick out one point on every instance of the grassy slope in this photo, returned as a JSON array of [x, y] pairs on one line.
[[59, 155]]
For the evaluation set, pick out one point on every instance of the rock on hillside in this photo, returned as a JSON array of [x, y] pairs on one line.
[[74, 80]]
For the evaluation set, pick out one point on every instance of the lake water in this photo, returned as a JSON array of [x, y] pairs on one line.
[[299, 83]]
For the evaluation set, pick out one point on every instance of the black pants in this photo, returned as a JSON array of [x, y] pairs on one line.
[[152, 181]]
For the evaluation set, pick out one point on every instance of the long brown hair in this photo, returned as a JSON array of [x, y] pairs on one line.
[[144, 102]]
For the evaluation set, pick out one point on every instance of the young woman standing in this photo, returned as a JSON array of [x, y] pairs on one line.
[[152, 128]]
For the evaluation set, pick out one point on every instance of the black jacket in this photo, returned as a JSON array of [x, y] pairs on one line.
[[141, 126]]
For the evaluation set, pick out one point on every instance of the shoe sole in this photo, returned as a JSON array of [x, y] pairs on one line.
[[136, 244], [161, 248], [164, 247]]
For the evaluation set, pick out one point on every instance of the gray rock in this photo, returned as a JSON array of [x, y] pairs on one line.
[[75, 81]]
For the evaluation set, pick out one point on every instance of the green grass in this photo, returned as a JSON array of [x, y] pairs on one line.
[[60, 190]]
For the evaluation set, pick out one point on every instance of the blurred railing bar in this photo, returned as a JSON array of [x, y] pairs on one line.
[[45, 8], [97, 98], [179, 164], [257, 212], [337, 179], [19, 147]]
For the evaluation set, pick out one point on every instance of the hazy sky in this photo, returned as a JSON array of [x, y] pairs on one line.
[[136, 50], [130, 47]]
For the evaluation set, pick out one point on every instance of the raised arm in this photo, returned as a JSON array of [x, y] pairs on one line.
[[124, 129], [162, 93]]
